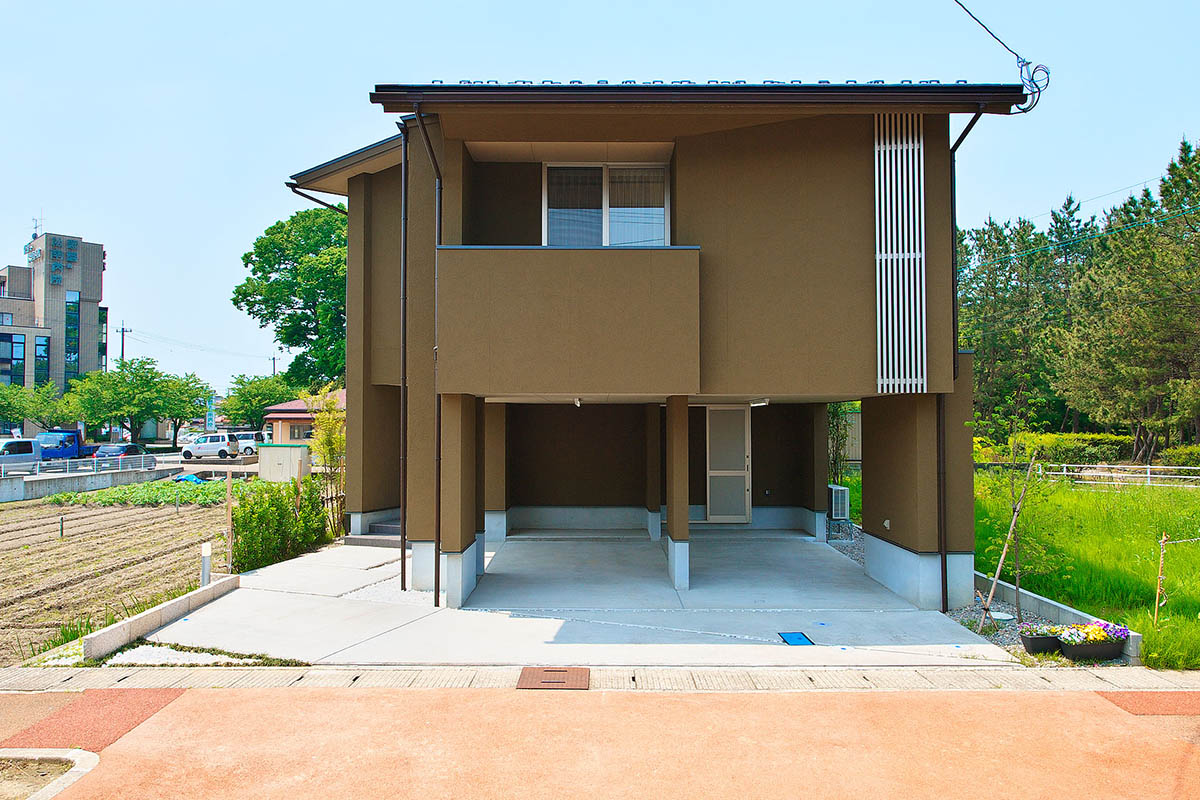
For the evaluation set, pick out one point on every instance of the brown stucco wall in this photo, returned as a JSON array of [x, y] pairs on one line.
[[654, 454], [676, 471], [575, 322], [960, 465], [793, 257], [458, 472], [789, 455], [560, 455], [899, 470], [505, 205]]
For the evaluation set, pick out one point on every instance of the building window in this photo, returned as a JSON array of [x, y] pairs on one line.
[[71, 340], [5, 318], [41, 359], [296, 432], [102, 351], [12, 359], [605, 205]]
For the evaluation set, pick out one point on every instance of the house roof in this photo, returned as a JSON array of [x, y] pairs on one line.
[[996, 97], [738, 103], [298, 409]]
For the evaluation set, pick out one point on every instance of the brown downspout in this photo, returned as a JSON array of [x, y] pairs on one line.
[[943, 539], [403, 355], [437, 460]]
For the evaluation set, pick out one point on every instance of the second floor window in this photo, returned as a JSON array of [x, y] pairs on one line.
[[606, 205]]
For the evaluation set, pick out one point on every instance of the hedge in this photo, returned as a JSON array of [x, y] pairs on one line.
[[1064, 448], [269, 526], [1185, 456]]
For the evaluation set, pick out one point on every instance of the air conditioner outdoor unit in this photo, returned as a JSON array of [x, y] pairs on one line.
[[839, 502]]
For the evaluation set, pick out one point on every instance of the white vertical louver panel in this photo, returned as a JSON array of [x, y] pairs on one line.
[[900, 319]]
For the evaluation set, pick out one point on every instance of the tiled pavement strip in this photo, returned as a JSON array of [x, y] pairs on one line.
[[678, 679]]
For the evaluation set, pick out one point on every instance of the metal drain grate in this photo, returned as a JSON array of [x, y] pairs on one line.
[[554, 678]]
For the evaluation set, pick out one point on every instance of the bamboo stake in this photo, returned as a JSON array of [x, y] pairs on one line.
[[229, 514], [1162, 556], [1012, 526], [299, 481]]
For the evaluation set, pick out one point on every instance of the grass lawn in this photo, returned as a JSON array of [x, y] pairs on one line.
[[1110, 540]]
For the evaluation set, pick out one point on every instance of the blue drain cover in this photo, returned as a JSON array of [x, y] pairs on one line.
[[795, 638]]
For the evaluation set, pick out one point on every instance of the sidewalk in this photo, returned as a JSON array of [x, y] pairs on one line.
[[401, 743], [57, 679]]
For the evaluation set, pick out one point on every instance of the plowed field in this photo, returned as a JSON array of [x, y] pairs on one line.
[[104, 558]]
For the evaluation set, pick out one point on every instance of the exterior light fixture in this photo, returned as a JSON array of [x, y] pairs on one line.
[[577, 403], [762, 401]]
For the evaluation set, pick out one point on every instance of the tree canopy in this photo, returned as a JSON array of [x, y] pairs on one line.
[[1100, 319], [249, 397], [182, 398], [130, 393], [297, 287]]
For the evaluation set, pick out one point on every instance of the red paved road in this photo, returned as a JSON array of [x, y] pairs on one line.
[[365, 743]]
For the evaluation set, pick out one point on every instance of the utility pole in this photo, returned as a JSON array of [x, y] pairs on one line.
[[123, 330], [272, 366]]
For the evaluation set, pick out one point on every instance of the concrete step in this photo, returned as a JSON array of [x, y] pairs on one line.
[[373, 540], [390, 526]]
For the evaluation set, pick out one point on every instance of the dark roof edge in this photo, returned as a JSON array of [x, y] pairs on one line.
[[903, 93]]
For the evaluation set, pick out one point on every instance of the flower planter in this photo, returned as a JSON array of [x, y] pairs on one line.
[[1040, 644], [1099, 651]]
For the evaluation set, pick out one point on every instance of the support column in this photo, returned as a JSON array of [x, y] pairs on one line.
[[677, 491], [495, 456], [814, 449], [653, 477], [458, 497], [480, 481], [900, 495]]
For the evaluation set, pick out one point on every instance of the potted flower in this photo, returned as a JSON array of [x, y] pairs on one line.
[[1097, 640], [1039, 637]]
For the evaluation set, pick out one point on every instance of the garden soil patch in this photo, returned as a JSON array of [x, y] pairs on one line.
[[19, 778], [106, 557]]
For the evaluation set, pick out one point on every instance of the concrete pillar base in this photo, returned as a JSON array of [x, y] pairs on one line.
[[917, 577], [360, 521], [495, 525], [654, 525], [458, 580], [422, 566], [480, 537], [816, 523], [678, 563]]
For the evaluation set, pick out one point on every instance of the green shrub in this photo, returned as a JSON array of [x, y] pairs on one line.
[[269, 526], [1186, 456], [1075, 448]]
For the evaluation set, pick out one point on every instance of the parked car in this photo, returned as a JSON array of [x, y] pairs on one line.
[[60, 443], [124, 456], [221, 445], [19, 455], [249, 441]]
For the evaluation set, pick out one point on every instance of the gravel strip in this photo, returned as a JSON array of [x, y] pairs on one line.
[[846, 538], [152, 654], [389, 591]]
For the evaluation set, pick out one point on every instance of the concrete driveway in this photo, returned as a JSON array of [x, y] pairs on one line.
[[579, 600]]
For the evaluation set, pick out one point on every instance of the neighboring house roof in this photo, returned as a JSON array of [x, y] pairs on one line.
[[297, 410], [783, 97]]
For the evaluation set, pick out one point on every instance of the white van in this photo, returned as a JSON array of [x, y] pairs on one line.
[[249, 441], [221, 445], [19, 455]]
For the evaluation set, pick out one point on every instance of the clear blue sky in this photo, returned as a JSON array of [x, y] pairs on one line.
[[166, 130]]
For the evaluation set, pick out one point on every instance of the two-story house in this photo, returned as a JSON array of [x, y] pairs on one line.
[[641, 299]]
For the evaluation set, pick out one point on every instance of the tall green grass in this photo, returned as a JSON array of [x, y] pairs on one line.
[[1110, 539]]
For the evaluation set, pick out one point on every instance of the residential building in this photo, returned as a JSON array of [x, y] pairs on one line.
[[642, 297], [52, 326], [292, 422]]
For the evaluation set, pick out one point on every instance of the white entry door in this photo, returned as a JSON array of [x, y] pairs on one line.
[[728, 463]]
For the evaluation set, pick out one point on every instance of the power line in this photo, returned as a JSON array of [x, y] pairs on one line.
[[169, 343], [989, 30], [1090, 237], [1034, 79], [1099, 196]]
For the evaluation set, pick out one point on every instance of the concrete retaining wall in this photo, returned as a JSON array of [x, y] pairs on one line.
[[1055, 612], [119, 634], [31, 487]]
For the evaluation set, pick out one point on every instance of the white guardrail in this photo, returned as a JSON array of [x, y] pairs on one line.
[[76, 466], [1123, 474]]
